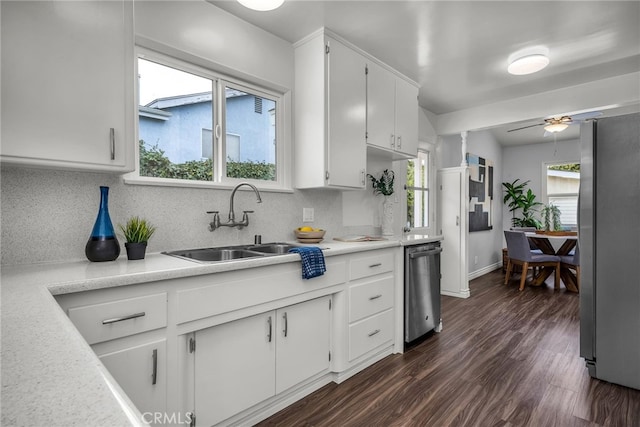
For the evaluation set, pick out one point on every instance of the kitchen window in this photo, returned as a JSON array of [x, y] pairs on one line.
[[195, 126], [562, 184], [417, 187]]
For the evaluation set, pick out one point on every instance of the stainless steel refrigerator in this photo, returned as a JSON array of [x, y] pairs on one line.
[[609, 238]]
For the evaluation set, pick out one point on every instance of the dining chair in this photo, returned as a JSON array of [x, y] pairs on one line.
[[520, 254], [572, 261]]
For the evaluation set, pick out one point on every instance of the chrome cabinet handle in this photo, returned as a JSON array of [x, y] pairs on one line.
[[154, 375], [457, 220], [270, 325], [120, 319], [286, 324], [375, 297], [377, 331], [375, 265], [363, 177], [399, 144], [393, 141], [112, 141]]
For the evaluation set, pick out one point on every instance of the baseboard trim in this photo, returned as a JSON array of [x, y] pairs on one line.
[[462, 294], [484, 270]]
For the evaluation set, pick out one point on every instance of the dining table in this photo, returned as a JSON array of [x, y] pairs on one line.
[[565, 241]]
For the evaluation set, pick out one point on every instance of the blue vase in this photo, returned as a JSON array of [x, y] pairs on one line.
[[103, 244]]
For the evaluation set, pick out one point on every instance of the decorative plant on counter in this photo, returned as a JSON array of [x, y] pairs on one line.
[[384, 185], [551, 217], [136, 232], [516, 198]]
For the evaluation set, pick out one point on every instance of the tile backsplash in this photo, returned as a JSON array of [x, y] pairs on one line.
[[47, 216]]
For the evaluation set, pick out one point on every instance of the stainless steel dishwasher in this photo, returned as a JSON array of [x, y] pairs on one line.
[[421, 290]]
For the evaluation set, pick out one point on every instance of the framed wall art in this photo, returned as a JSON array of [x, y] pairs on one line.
[[480, 193]]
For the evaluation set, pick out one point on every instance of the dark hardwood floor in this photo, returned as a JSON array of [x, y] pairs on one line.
[[504, 358]]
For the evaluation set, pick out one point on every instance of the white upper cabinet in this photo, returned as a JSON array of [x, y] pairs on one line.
[[392, 113], [68, 84], [406, 118], [330, 114]]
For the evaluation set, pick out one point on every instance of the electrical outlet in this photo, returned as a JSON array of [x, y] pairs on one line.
[[307, 214], [475, 260]]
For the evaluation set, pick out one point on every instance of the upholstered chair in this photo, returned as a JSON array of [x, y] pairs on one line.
[[520, 254]]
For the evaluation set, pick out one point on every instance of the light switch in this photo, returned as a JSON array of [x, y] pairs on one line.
[[307, 214]]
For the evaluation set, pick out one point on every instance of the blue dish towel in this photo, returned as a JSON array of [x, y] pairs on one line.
[[312, 261]]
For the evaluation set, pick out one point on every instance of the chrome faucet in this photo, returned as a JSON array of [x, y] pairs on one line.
[[232, 215]]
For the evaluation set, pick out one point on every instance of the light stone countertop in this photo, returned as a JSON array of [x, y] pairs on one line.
[[419, 239], [50, 375]]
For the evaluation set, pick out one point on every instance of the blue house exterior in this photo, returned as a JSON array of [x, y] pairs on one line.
[[181, 126]]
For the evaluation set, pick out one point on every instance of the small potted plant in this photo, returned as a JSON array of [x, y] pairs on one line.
[[551, 215], [384, 186], [136, 232]]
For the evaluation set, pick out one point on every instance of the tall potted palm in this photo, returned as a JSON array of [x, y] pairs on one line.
[[516, 198]]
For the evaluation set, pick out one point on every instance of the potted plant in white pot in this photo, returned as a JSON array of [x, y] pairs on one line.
[[384, 186], [136, 232]]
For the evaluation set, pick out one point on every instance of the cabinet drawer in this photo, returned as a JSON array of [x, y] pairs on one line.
[[370, 333], [115, 319], [371, 265], [370, 298]]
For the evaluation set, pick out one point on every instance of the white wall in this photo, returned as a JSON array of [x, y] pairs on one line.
[[525, 162], [485, 245]]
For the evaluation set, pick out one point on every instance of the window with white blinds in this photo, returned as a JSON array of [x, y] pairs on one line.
[[562, 188]]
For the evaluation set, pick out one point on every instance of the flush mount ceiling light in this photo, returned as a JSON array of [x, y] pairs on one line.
[[528, 61], [261, 5]]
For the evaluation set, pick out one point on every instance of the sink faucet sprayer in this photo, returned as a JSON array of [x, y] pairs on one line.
[[232, 215]]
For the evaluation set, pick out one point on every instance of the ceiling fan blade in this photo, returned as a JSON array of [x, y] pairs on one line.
[[526, 127], [586, 116]]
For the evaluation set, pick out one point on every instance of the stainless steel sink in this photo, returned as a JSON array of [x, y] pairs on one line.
[[273, 248], [231, 253], [215, 254]]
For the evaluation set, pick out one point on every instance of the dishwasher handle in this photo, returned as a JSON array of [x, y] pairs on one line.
[[430, 252]]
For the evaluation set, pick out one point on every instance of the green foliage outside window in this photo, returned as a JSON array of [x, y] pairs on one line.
[[410, 193], [569, 167], [154, 163]]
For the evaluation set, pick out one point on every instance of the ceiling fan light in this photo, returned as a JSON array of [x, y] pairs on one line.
[[261, 5], [556, 127], [528, 64]]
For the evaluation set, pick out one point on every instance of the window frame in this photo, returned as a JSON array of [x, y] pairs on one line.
[[283, 179], [431, 194], [545, 192]]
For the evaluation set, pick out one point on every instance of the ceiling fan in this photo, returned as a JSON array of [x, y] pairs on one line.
[[560, 123]]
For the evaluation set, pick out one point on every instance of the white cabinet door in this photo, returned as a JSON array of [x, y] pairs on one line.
[[406, 118], [141, 371], [303, 342], [392, 113], [67, 84], [453, 204], [380, 107], [330, 119], [234, 367], [347, 152]]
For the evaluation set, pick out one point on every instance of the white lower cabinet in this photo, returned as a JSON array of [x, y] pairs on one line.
[[234, 347], [141, 372], [244, 362], [126, 328]]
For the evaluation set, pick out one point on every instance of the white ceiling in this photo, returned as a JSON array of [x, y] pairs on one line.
[[457, 50]]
